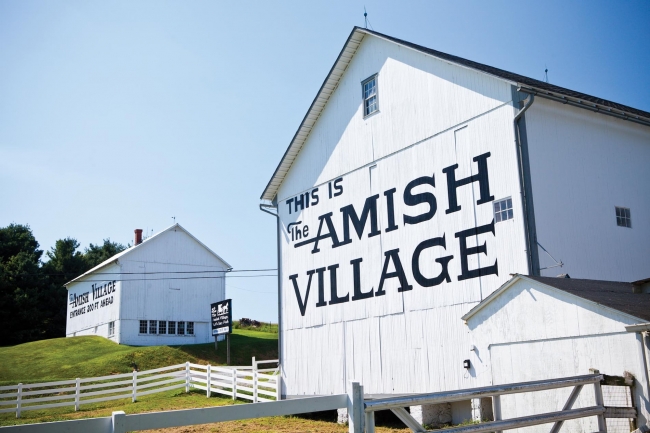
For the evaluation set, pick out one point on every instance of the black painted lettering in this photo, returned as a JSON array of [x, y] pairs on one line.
[[301, 304], [411, 199], [299, 202], [393, 255], [390, 209], [314, 196], [465, 252], [337, 187], [331, 233], [334, 296], [481, 177], [444, 261], [356, 271], [321, 287], [359, 223]]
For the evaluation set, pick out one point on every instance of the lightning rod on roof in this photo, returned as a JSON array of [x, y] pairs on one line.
[[365, 17], [546, 75]]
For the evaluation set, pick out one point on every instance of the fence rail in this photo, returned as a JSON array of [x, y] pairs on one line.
[[245, 382], [360, 411]]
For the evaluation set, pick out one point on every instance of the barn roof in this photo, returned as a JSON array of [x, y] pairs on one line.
[[616, 295], [526, 84], [140, 245]]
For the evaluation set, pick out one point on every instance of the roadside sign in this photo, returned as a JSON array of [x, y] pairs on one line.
[[221, 313]]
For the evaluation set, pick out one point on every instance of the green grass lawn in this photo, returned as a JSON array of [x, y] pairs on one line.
[[68, 358]]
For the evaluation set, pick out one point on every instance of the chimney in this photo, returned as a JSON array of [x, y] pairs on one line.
[[138, 237]]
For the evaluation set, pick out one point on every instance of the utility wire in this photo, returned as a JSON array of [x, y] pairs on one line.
[[156, 272], [179, 278]]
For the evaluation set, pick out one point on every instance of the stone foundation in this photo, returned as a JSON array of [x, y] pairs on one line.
[[434, 415], [342, 416]]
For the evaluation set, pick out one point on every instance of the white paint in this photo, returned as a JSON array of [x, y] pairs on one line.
[[533, 332], [149, 287]]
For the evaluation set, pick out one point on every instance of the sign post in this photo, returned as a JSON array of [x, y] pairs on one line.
[[221, 314]]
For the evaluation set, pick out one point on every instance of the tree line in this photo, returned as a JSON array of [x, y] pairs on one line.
[[33, 298]]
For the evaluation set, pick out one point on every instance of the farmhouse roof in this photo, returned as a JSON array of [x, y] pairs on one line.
[[140, 245], [526, 84], [616, 295]]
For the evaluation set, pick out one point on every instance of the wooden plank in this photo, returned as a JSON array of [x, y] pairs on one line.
[[73, 426], [178, 418]]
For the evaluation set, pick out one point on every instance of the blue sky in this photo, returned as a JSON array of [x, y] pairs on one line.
[[119, 115]]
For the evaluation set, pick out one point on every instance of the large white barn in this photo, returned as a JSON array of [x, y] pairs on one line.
[[415, 185], [149, 294]]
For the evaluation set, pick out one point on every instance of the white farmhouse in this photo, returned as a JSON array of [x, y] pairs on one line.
[[415, 184], [157, 292]]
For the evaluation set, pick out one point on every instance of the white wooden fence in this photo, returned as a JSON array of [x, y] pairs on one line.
[[360, 410], [247, 382]]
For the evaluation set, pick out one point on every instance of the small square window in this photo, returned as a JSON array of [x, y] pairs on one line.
[[162, 327], [190, 328], [181, 328], [623, 218], [143, 326], [370, 96], [503, 210], [111, 329], [153, 327], [171, 327]]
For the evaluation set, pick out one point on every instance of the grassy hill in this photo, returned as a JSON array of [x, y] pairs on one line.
[[68, 358]]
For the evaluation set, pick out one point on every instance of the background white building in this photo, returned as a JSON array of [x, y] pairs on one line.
[[416, 183], [149, 294]]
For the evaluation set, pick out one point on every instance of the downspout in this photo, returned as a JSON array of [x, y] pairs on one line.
[[263, 208], [522, 186]]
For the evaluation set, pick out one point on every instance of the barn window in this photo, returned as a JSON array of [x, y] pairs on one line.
[[153, 326], [143, 326], [623, 218], [503, 210], [162, 327], [111, 328], [181, 328], [190, 328], [171, 327], [370, 97]]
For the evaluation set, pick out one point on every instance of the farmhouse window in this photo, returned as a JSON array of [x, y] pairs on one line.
[[623, 218], [111, 328], [171, 327], [370, 97], [503, 210], [181, 328], [190, 328], [153, 326], [162, 327], [143, 326]]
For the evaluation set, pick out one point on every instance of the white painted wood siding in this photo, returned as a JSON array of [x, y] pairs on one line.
[[533, 332], [165, 296], [84, 324], [431, 115], [583, 165]]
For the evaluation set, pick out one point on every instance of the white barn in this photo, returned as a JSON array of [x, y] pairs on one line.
[[415, 184], [149, 294]]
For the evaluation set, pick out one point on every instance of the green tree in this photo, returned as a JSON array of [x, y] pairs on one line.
[[21, 282], [96, 254], [65, 263]]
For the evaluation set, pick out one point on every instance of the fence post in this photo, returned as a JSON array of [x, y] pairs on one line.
[[117, 422], [77, 392], [134, 386], [254, 364], [254, 386], [19, 399], [209, 377], [187, 376], [356, 412], [598, 391], [234, 384], [278, 387]]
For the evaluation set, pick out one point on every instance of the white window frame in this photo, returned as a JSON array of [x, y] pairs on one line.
[[626, 218], [172, 326], [111, 328], [374, 77], [153, 326], [179, 326], [498, 214], [146, 326], [162, 327], [189, 328]]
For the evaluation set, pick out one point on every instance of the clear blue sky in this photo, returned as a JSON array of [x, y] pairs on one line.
[[119, 115]]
